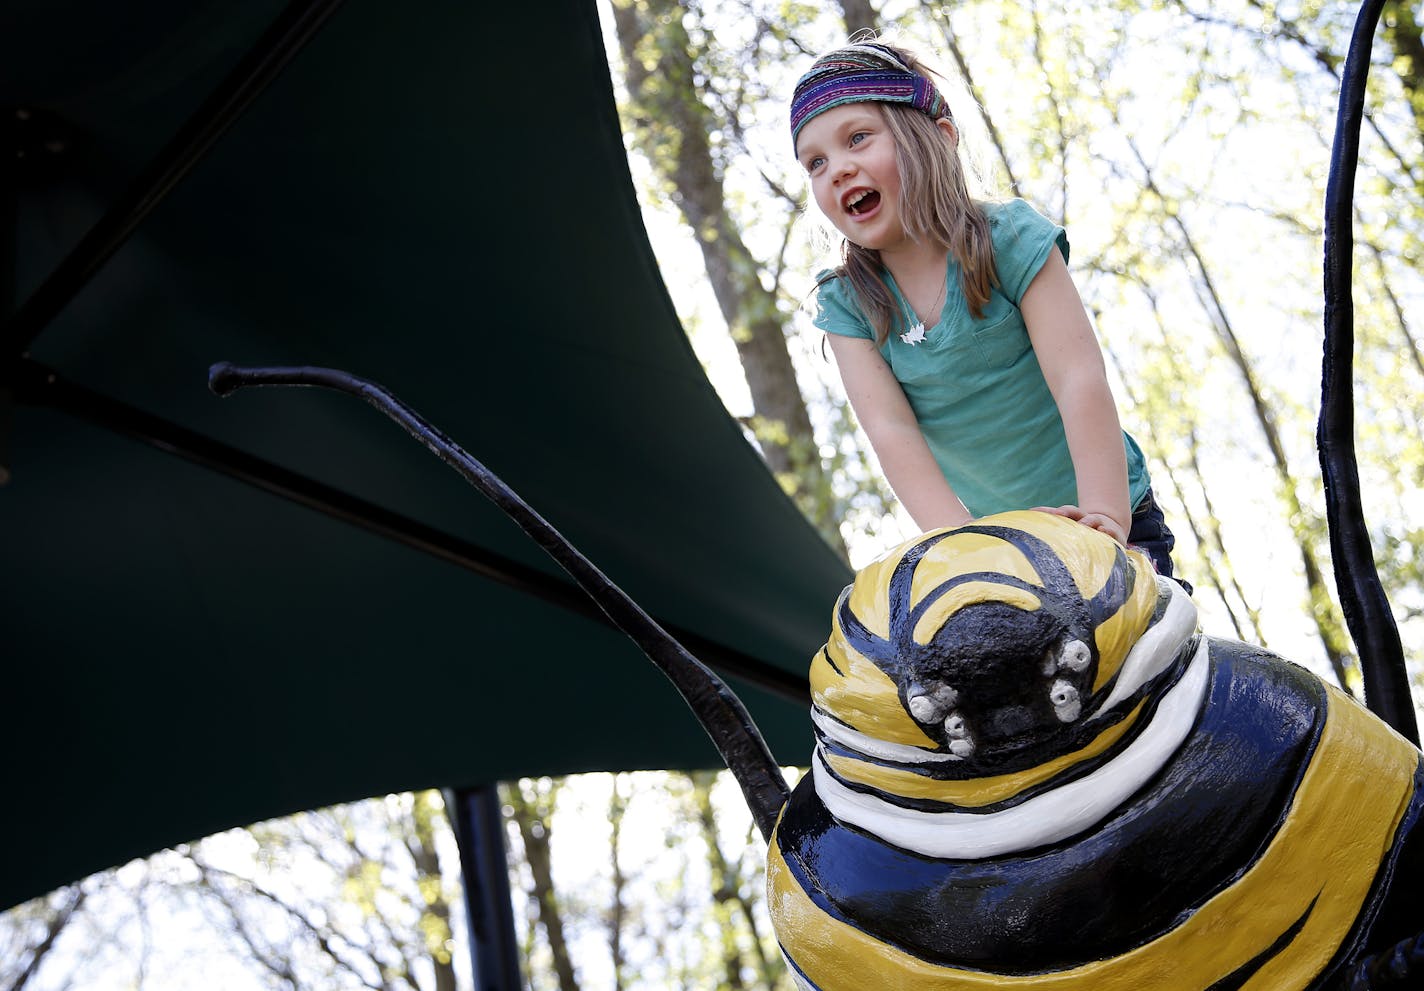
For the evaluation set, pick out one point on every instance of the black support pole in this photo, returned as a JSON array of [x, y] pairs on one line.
[[1362, 597], [479, 831]]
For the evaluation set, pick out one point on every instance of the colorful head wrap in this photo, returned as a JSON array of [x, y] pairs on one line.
[[857, 74]]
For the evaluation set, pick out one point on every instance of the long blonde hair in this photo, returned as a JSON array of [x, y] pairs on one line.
[[935, 207]]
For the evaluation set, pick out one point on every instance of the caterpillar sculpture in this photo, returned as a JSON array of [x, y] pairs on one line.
[[1033, 771]]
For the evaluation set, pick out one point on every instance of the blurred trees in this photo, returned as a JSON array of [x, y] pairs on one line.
[[30, 932], [353, 896], [656, 879], [635, 882]]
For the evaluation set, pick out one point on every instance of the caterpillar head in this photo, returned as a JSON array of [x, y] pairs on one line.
[[985, 641]]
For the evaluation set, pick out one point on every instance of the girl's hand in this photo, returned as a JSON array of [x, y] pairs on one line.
[[1097, 521]]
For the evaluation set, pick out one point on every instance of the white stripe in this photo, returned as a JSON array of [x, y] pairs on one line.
[[1157, 648], [1048, 818], [901, 753]]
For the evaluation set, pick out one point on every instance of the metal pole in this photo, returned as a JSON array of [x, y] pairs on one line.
[[479, 831], [1362, 597]]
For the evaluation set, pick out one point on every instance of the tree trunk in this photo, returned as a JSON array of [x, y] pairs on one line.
[[617, 806], [859, 17], [421, 843], [672, 132], [533, 813]]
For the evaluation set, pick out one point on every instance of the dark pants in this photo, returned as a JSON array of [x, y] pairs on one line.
[[1151, 535]]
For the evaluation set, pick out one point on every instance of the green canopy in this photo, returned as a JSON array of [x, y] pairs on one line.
[[217, 611]]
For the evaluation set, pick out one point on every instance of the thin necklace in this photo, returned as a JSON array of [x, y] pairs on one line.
[[916, 333]]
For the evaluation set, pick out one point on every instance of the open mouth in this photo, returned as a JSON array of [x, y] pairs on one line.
[[862, 202]]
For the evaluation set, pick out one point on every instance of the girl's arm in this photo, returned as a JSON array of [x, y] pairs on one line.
[[1073, 366], [885, 415]]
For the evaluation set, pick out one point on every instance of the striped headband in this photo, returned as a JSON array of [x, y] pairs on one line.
[[857, 74]]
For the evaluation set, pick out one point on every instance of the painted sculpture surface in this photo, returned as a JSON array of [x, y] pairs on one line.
[[1032, 770]]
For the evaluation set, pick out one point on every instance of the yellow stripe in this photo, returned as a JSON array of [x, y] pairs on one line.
[[1331, 844], [974, 792], [1117, 634], [969, 594], [958, 554], [861, 695], [967, 554]]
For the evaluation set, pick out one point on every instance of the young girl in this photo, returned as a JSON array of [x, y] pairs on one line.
[[963, 346]]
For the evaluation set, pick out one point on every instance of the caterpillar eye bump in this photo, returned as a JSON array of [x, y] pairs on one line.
[[1031, 770]]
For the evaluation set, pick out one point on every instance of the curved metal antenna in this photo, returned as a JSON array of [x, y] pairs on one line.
[[1362, 597], [721, 713]]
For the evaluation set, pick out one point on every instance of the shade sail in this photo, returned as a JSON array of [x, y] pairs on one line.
[[217, 611]]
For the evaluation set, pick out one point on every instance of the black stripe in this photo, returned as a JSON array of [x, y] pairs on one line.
[[900, 584]]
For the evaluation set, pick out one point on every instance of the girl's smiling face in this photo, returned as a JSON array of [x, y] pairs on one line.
[[849, 154]]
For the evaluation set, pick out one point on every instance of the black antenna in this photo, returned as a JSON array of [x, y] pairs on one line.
[[1362, 597], [719, 710]]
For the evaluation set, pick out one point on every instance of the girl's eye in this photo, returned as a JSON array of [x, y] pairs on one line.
[[815, 164], [858, 137]]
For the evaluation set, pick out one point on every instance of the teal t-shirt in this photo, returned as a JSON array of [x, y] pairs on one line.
[[975, 385]]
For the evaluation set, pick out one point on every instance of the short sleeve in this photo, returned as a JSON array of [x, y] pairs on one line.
[[1022, 239], [834, 311]]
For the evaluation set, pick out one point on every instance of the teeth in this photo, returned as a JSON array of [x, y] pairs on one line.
[[854, 201]]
